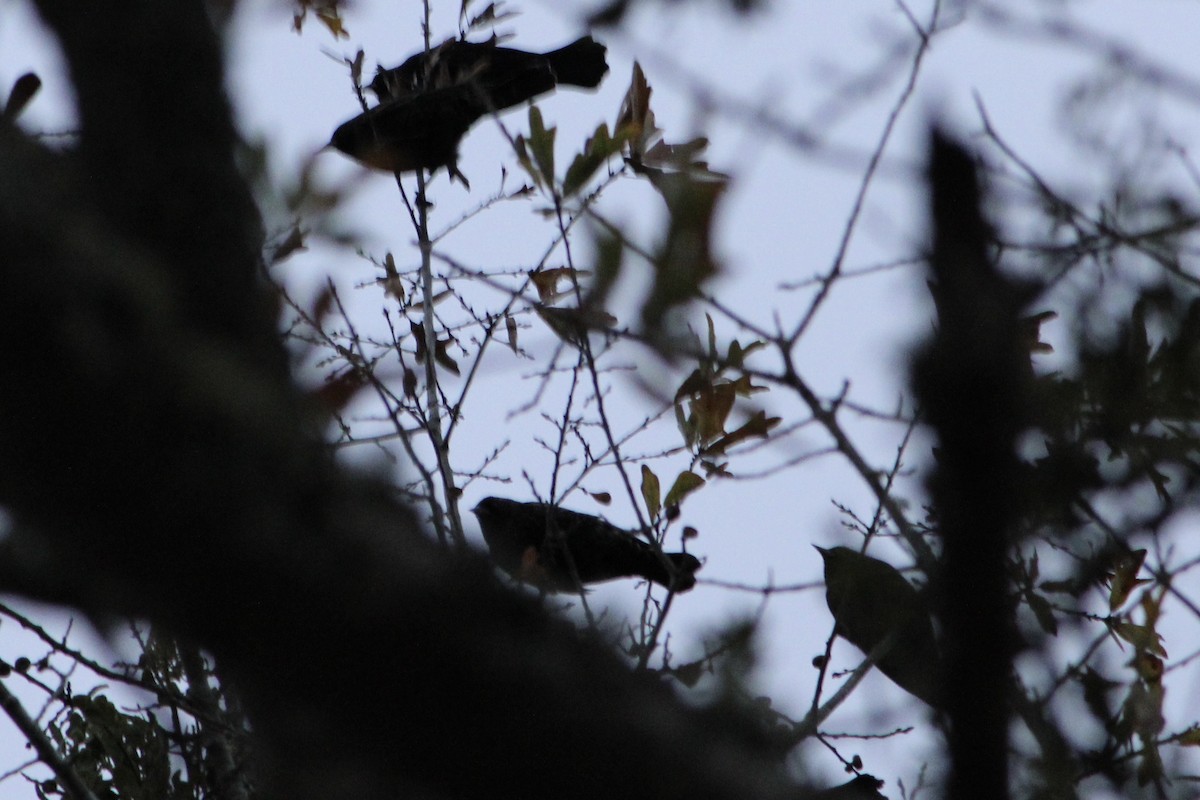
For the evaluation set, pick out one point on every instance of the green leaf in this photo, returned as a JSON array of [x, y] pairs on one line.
[[596, 151], [687, 426], [541, 142], [685, 484], [522, 151], [651, 491], [737, 353], [684, 260]]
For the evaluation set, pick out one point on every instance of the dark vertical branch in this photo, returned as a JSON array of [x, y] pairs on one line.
[[970, 381]]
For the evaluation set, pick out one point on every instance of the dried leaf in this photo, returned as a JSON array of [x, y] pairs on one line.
[[442, 357], [322, 304], [338, 390], [510, 325], [391, 280], [331, 18], [758, 426], [710, 408], [546, 282]]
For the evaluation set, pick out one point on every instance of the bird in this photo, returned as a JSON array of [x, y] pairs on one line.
[[429, 102], [555, 549], [505, 77], [870, 600], [861, 787], [412, 133]]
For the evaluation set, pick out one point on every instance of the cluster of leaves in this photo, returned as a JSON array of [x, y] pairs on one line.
[[163, 749]]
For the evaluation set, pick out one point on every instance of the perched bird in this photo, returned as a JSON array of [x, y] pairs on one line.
[[558, 550], [869, 600], [861, 787], [418, 132], [504, 77], [429, 102]]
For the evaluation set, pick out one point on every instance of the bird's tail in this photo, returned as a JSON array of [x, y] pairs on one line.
[[581, 63]]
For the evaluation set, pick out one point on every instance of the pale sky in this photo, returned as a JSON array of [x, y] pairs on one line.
[[834, 70]]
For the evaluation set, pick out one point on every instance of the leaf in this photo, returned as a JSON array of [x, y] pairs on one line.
[[1043, 611], [522, 150], [651, 491], [510, 325], [686, 483], [337, 391], [610, 254], [1149, 667], [684, 261], [692, 385], [572, 324], [419, 308], [1190, 737], [710, 408], [1031, 334], [712, 468], [712, 337], [634, 113], [546, 282], [687, 426], [391, 280], [23, 90], [743, 388], [689, 674], [489, 17], [1124, 577], [759, 425], [442, 357], [418, 332], [597, 150], [737, 353], [1060, 587], [603, 498], [541, 142], [1142, 637], [292, 243], [331, 19]]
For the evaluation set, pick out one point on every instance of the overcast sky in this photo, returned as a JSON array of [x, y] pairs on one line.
[[832, 70]]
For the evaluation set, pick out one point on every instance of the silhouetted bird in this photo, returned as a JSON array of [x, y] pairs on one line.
[[557, 550], [419, 132], [861, 787], [504, 77], [869, 600]]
